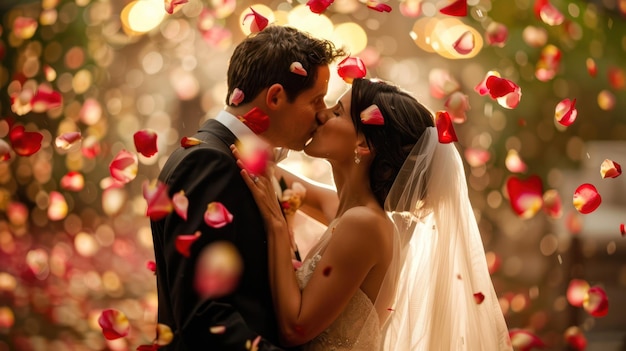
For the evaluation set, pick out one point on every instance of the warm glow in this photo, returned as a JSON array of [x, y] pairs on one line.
[[302, 18], [142, 16], [351, 36]]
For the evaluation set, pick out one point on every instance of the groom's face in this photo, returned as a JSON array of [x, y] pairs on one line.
[[297, 121]]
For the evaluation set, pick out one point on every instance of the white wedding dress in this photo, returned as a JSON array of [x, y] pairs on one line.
[[357, 327]]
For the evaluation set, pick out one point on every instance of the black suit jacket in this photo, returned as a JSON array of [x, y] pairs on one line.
[[208, 172]]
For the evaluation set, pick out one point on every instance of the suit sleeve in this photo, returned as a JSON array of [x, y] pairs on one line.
[[206, 175]]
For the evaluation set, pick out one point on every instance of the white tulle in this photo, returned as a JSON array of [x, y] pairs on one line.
[[439, 263]]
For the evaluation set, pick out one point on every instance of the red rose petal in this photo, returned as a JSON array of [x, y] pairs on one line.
[[457, 8], [259, 22], [596, 303], [445, 129], [610, 169], [565, 112], [146, 142], [218, 270], [181, 204], [465, 43], [114, 324], [25, 143], [184, 242], [552, 203], [124, 166], [575, 338], [172, 5], [157, 198], [525, 196], [479, 298], [523, 340], [586, 198], [318, 6], [350, 68], [576, 291]]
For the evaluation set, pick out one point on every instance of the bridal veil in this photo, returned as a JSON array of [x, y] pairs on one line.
[[437, 280]]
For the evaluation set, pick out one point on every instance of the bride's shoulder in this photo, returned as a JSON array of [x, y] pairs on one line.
[[366, 218]]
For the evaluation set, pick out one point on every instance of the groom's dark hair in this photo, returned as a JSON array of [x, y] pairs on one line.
[[264, 58], [406, 119]]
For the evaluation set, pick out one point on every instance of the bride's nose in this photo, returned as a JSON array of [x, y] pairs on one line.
[[323, 116]]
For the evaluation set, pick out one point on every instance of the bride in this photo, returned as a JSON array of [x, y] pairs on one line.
[[401, 265]]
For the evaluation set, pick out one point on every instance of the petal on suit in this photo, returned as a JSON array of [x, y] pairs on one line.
[[184, 242], [159, 203], [218, 270], [181, 204], [217, 215]]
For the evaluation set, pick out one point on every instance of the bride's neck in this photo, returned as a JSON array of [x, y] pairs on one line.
[[353, 187]]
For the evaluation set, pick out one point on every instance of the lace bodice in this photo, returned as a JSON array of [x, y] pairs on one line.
[[356, 328]]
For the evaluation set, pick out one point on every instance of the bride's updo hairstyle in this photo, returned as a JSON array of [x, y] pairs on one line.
[[405, 121]]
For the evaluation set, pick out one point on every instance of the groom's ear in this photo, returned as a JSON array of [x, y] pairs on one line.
[[275, 96]]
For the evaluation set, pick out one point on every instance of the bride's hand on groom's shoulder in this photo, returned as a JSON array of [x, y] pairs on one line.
[[263, 190]]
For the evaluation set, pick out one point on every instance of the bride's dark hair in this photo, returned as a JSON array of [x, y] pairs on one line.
[[406, 119]]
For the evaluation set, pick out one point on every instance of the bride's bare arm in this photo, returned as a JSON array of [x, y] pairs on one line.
[[321, 200]]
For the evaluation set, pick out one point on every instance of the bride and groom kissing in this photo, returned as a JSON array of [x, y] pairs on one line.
[[401, 261]]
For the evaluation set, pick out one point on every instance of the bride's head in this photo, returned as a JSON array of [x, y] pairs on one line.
[[352, 129]]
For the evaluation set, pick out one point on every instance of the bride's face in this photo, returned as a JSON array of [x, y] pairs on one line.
[[335, 138]]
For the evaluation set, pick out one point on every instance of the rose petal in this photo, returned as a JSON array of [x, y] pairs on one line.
[[514, 162], [164, 335], [172, 5], [184, 242], [73, 181], [552, 203], [476, 157], [5, 150], [146, 142], [465, 43], [523, 340], [217, 329], [617, 78], [576, 291], [181, 204], [157, 198], [254, 154], [66, 141], [592, 68], [24, 27], [548, 64], [380, 7], [218, 269], [445, 129], [90, 147], [547, 13], [351, 68], [457, 8], [575, 338], [565, 112], [255, 119], [236, 97], [57, 206], [622, 229], [151, 265], [296, 67], [188, 142], [610, 169], [499, 87], [124, 166], [372, 116], [217, 215], [318, 6], [456, 105], [479, 298], [596, 303], [525, 196], [411, 8], [586, 198], [258, 21], [441, 83], [114, 324], [45, 99], [25, 143], [496, 34]]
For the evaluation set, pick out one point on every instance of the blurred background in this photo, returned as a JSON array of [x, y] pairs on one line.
[[82, 76]]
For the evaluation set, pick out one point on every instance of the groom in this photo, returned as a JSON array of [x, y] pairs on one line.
[[284, 74]]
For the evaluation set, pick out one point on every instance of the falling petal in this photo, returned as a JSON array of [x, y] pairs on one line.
[[550, 15], [617, 78], [318, 6], [258, 21], [476, 157], [91, 112], [592, 69], [411, 8], [565, 112], [445, 129], [188, 142], [493, 262], [457, 105], [457, 8], [595, 302], [114, 324], [181, 204], [610, 169], [350, 68], [90, 147], [606, 100], [173, 5], [217, 37], [236, 97], [576, 291], [552, 203], [37, 261], [296, 67], [24, 27], [441, 83], [17, 213], [217, 215], [372, 116], [481, 88], [151, 265], [218, 269], [164, 335], [124, 166], [548, 64], [526, 196], [575, 339], [66, 141], [158, 202], [496, 34], [57, 206], [45, 99], [184, 242], [479, 298], [146, 142], [514, 162], [622, 229], [113, 200], [254, 154], [523, 340], [50, 73], [499, 87], [25, 143], [217, 329], [255, 119], [465, 43], [573, 222], [380, 7], [586, 198]]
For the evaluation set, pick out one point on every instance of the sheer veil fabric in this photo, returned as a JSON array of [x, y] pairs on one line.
[[427, 299]]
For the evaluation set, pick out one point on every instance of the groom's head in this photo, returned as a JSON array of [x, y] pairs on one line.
[[285, 73]]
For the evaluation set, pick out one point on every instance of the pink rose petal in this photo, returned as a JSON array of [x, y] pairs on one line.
[[216, 215], [514, 162], [595, 302], [465, 43], [457, 104], [157, 198], [173, 5], [218, 270], [441, 83], [523, 340], [372, 116], [576, 292], [259, 22], [114, 324], [124, 166], [181, 204], [236, 97], [66, 141], [476, 157], [610, 169], [496, 34], [565, 112]]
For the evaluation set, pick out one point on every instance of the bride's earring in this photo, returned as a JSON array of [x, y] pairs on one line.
[[357, 157]]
